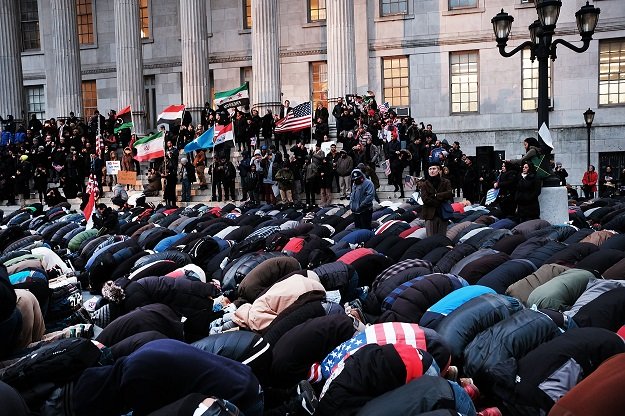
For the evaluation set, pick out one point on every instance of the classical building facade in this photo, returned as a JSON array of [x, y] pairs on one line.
[[436, 60]]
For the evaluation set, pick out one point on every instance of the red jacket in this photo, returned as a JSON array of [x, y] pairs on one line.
[[590, 178]]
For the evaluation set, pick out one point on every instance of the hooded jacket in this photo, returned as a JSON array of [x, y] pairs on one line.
[[362, 195]]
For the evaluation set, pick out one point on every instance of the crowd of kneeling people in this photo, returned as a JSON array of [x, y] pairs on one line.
[[264, 309]]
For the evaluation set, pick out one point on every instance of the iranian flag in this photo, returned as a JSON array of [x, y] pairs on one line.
[[171, 114], [150, 147], [123, 120], [223, 135], [233, 98]]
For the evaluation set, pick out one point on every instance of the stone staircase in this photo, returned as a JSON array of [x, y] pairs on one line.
[[385, 192]]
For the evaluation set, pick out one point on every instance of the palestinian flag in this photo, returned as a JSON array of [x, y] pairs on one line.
[[123, 120], [171, 114], [233, 98], [150, 147]]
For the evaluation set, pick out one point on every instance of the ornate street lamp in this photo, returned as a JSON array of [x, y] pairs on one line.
[[589, 117], [543, 47]]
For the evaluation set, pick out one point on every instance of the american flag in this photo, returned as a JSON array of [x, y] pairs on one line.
[[383, 108], [99, 144], [410, 182], [381, 334], [300, 118]]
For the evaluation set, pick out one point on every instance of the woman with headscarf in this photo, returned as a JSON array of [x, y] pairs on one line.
[[532, 150], [528, 189], [507, 183]]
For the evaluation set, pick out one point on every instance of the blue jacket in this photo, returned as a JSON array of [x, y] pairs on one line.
[[362, 196]]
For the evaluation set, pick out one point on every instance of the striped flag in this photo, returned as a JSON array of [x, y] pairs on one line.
[[223, 135], [171, 114], [410, 182], [298, 119], [99, 144], [123, 120], [150, 147], [383, 108], [236, 97], [491, 196], [381, 334], [94, 193]]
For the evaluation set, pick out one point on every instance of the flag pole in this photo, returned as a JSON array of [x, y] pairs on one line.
[[311, 121]]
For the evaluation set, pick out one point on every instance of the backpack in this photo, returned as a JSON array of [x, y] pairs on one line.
[[38, 373]]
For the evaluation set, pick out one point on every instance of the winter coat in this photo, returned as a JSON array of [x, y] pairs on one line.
[[362, 196], [598, 237], [528, 190], [434, 197], [571, 254], [475, 270], [595, 288], [263, 276], [420, 397], [590, 180], [420, 248], [606, 382], [506, 274], [306, 344], [509, 243], [461, 326], [600, 261], [437, 312], [537, 250], [524, 287], [564, 361], [344, 165], [372, 371], [561, 292], [605, 311], [258, 315], [512, 337], [412, 299], [447, 262]]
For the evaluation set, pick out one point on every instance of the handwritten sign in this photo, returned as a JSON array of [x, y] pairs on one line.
[[127, 177]]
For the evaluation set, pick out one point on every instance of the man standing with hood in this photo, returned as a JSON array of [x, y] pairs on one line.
[[435, 190], [361, 200]]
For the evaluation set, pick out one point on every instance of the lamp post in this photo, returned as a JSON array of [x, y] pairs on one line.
[[589, 117], [543, 47]]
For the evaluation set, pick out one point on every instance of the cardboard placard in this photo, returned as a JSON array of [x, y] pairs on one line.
[[113, 167], [127, 177]]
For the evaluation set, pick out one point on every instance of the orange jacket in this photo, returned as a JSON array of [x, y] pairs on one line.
[[590, 178]]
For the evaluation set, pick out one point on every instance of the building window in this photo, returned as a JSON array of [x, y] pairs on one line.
[[30, 25], [89, 98], [464, 82], [316, 10], [395, 81], [84, 16], [612, 72], [36, 102], [389, 7], [529, 81], [149, 83], [319, 83], [144, 16], [462, 4], [247, 14]]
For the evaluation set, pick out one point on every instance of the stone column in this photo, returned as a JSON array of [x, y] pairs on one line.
[[129, 54], [65, 50], [265, 56], [11, 97], [194, 42], [341, 50]]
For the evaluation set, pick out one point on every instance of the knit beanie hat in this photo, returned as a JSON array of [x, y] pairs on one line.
[[113, 292]]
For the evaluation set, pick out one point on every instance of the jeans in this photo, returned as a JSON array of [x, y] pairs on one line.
[[346, 185], [186, 190]]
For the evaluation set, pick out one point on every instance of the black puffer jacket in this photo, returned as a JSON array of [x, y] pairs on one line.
[[421, 248], [507, 274], [461, 326], [183, 295], [335, 275], [236, 271], [450, 259], [511, 338], [573, 253]]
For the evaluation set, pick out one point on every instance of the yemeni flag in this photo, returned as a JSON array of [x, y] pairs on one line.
[[123, 120], [150, 147], [171, 114], [93, 191], [223, 135], [233, 98]]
